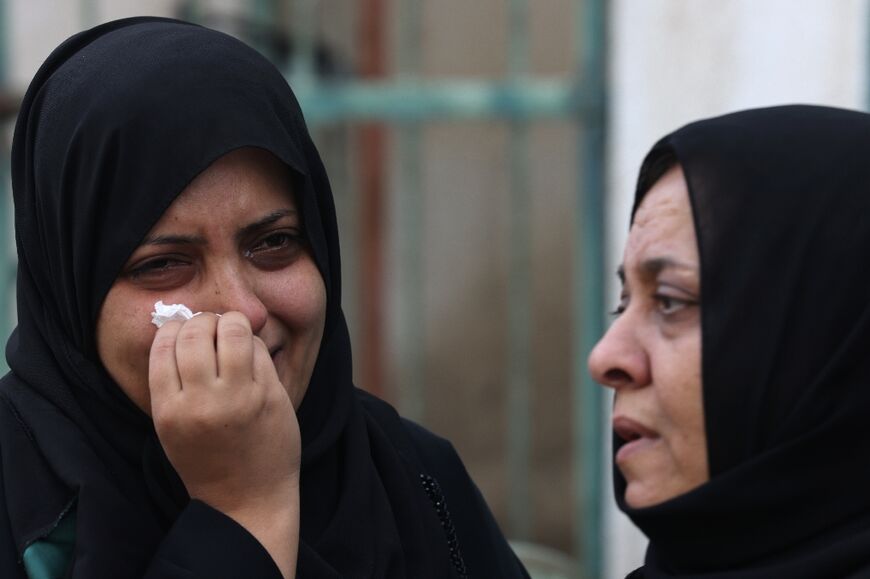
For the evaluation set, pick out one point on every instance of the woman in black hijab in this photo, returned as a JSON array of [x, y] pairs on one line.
[[157, 159], [739, 356]]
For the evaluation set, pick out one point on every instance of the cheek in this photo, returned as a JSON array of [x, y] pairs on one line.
[[677, 376], [301, 301], [680, 395], [124, 336]]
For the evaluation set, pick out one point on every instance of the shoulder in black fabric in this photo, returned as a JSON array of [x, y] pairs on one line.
[[781, 206], [480, 546]]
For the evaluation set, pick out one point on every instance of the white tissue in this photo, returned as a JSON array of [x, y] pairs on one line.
[[163, 313]]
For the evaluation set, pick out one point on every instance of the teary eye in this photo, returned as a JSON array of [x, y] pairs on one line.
[[276, 249], [160, 272], [669, 305]]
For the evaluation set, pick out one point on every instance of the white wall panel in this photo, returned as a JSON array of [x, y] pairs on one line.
[[675, 61]]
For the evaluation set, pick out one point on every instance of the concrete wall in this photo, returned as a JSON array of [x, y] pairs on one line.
[[675, 61]]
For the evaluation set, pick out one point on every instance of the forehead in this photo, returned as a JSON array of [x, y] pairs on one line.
[[240, 181], [663, 225]]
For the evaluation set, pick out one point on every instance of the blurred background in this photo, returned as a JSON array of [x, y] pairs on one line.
[[483, 156]]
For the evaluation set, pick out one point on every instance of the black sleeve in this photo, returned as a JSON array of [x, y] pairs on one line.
[[10, 566], [484, 548], [206, 544]]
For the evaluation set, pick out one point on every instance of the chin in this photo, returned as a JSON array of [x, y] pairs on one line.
[[642, 494]]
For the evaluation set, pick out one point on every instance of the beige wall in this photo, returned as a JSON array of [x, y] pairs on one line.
[[674, 61]]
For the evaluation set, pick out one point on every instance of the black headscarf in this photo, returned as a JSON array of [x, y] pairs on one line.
[[116, 123], [781, 203]]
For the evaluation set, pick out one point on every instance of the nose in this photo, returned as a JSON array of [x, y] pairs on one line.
[[236, 291], [619, 359]]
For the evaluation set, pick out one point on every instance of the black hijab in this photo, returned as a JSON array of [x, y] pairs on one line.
[[781, 203], [116, 123]]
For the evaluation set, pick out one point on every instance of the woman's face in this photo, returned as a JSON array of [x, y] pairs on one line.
[[651, 355], [233, 240]]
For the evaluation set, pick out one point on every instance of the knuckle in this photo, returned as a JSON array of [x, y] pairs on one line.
[[165, 417], [235, 317], [162, 345], [193, 333], [235, 330], [169, 328]]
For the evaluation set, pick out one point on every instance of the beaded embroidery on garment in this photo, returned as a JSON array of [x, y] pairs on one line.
[[433, 491]]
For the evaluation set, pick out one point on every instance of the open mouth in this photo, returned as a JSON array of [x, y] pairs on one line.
[[634, 435], [630, 430]]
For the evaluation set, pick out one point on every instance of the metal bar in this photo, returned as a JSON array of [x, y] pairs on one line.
[[7, 258], [303, 26], [372, 179], [866, 60], [588, 282], [519, 292], [371, 147], [262, 14], [191, 11], [408, 101], [4, 46], [412, 340], [518, 39]]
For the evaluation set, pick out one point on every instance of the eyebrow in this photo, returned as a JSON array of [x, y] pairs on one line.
[[174, 240], [178, 239], [656, 265], [264, 222]]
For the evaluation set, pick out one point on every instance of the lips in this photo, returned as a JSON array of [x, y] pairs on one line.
[[629, 430], [635, 435]]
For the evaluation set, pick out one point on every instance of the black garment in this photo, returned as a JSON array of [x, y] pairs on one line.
[[115, 124], [781, 203]]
